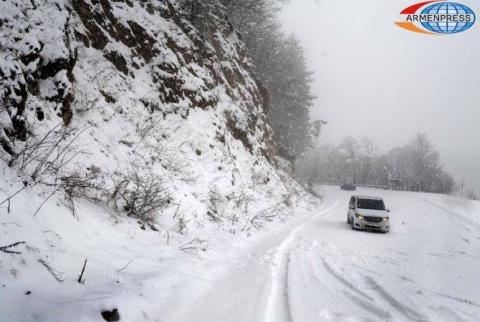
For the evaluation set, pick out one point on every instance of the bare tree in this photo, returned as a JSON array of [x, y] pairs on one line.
[[350, 146], [415, 166], [425, 161]]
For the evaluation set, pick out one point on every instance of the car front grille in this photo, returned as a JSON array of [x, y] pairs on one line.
[[372, 219]]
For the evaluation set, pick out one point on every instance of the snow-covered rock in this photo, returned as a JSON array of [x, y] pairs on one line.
[[148, 91]]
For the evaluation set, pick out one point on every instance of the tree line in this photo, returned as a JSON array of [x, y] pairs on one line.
[[413, 167]]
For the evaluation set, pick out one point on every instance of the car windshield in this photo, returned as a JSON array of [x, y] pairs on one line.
[[375, 204]]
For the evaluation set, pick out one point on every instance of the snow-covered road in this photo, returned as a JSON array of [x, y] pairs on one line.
[[317, 269]]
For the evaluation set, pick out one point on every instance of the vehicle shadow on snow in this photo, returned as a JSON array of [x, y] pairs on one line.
[[341, 225]]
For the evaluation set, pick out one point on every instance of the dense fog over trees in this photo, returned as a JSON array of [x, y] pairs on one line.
[[375, 80], [415, 166]]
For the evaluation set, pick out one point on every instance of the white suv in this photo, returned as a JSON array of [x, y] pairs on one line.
[[368, 213]]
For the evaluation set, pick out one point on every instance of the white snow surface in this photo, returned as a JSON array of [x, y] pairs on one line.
[[312, 267]]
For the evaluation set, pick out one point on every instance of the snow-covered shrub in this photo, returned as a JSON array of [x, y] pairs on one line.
[[90, 184], [216, 204], [45, 157], [242, 199], [141, 195], [43, 160]]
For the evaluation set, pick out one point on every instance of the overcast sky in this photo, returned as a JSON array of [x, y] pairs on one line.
[[377, 80]]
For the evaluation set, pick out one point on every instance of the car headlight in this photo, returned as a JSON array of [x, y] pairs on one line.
[[359, 216], [386, 218]]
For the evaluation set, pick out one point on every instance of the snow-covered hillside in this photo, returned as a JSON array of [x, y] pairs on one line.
[[143, 95], [127, 137]]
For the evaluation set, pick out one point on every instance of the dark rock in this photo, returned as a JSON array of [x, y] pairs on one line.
[[108, 97], [117, 60], [238, 133], [111, 315], [83, 38], [40, 114], [145, 42], [5, 144], [89, 19]]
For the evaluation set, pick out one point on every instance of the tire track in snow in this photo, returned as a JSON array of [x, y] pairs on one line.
[[340, 285], [344, 281], [278, 309], [278, 305], [410, 314], [365, 301]]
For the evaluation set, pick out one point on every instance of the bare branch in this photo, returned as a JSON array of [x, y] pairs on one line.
[[7, 249]]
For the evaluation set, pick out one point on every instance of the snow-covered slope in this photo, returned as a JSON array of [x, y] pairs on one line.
[[147, 94], [102, 102]]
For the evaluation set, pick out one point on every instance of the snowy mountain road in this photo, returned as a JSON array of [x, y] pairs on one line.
[[318, 269]]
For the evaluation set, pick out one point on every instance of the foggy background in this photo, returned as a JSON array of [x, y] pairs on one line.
[[375, 79]]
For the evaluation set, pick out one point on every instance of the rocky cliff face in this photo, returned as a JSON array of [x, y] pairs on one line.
[[44, 41], [147, 89]]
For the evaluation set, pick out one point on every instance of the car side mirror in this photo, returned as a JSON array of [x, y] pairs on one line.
[[352, 207], [388, 210]]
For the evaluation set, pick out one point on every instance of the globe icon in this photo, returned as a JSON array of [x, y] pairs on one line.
[[448, 8]]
